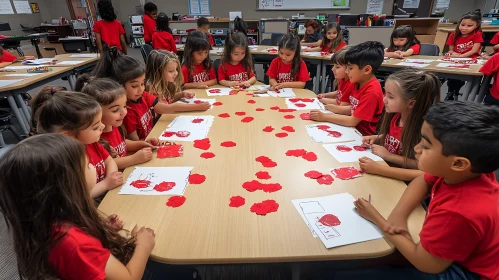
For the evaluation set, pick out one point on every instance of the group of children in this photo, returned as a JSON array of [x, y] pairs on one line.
[[86, 137]]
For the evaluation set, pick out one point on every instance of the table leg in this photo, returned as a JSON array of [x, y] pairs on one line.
[[72, 81], [483, 88], [35, 43], [17, 113], [317, 79], [324, 80], [467, 89], [474, 88], [23, 106], [295, 271]]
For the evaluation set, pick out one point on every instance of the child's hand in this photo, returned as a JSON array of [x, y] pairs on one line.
[[234, 84], [380, 151], [369, 140], [331, 107], [277, 86], [188, 94], [203, 106], [316, 115], [246, 84], [396, 225], [114, 180], [143, 155], [368, 165], [321, 95], [367, 211], [28, 57], [144, 237], [327, 100], [114, 222], [203, 87], [153, 142]]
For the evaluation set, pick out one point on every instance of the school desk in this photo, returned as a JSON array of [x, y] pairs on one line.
[[86, 63], [205, 230], [34, 38]]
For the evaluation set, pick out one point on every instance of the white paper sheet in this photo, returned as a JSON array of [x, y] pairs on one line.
[[257, 88], [18, 67], [346, 134], [193, 101], [343, 154], [4, 83], [190, 123], [84, 55], [419, 60], [222, 91], [195, 134], [152, 177], [283, 92], [454, 66], [69, 62], [461, 59], [39, 61], [413, 65], [22, 75], [315, 105], [311, 53], [22, 7], [351, 229]]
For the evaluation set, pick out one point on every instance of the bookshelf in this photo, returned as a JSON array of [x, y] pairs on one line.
[[136, 27]]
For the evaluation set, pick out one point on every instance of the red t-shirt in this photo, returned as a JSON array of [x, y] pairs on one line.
[[367, 104], [79, 256], [393, 139], [345, 88], [462, 223], [492, 67], [210, 37], [149, 28], [116, 141], [340, 46], [415, 49], [164, 40], [200, 74], [282, 72], [96, 156], [465, 44], [110, 32], [495, 40], [230, 72], [139, 117], [7, 57]]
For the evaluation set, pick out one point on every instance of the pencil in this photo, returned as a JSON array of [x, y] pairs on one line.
[[369, 198]]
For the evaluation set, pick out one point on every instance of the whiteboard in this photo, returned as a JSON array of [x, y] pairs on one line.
[[22, 7], [6, 7], [302, 5]]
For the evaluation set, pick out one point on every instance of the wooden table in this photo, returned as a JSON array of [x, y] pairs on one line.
[[87, 62], [205, 230]]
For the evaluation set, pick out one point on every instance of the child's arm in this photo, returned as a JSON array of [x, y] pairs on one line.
[[113, 178], [272, 82], [296, 84], [339, 109], [349, 121], [314, 44], [474, 50], [250, 82], [315, 49], [133, 146], [408, 52], [133, 136], [4, 64], [328, 95], [382, 152], [200, 85], [141, 156], [123, 44], [371, 167], [227, 83], [98, 40], [163, 108]]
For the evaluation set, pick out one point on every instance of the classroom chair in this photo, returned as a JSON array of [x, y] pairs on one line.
[[216, 64], [429, 49], [145, 50]]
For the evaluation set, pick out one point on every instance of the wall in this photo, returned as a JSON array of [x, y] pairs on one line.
[[54, 10], [459, 7], [25, 19]]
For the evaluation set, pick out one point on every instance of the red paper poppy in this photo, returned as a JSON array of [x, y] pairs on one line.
[[312, 174], [287, 110], [247, 119], [268, 129], [310, 156], [330, 220], [168, 134], [240, 113], [203, 144], [301, 105], [251, 101], [224, 115], [288, 128], [218, 103], [197, 101], [325, 180], [281, 134], [265, 207], [333, 133], [274, 108], [237, 201], [175, 201], [170, 151], [199, 120], [141, 184], [196, 179], [343, 148], [346, 173], [259, 109], [296, 153], [323, 127], [360, 148], [183, 133], [164, 186], [263, 175], [228, 144], [207, 155], [289, 117], [305, 116]]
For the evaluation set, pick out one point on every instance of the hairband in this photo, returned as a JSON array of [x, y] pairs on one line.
[[52, 91]]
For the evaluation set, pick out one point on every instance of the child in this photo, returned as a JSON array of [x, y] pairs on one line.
[[339, 101], [163, 38], [164, 79], [112, 98], [313, 35], [78, 116], [57, 231], [403, 43], [409, 95], [495, 42], [236, 67], [109, 30], [458, 152], [150, 17], [288, 70], [6, 58], [197, 68], [332, 40], [491, 67], [241, 26], [366, 100], [204, 26], [466, 41], [43, 95]]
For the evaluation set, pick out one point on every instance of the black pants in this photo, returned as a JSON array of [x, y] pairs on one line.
[[489, 100], [312, 70], [455, 85]]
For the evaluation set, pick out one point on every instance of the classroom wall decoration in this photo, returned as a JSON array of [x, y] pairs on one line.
[[35, 8], [6, 7], [302, 5]]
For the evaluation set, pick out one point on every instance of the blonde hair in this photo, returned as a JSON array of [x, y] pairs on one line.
[[157, 62]]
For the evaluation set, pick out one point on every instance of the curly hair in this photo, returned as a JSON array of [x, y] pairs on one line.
[[106, 10]]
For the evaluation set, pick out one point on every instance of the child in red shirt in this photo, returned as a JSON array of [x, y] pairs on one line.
[[460, 234], [109, 30], [403, 43], [197, 68], [7, 58], [288, 70], [149, 20], [466, 41], [66, 237], [491, 67], [409, 95], [366, 100], [332, 40], [204, 26], [236, 68], [163, 38]]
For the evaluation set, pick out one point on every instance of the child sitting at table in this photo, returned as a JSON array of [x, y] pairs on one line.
[[403, 43], [108, 30], [7, 58], [332, 40], [236, 67], [366, 100], [459, 153], [197, 69], [491, 67], [313, 35]]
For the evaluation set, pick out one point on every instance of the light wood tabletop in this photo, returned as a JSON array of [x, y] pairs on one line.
[[205, 230], [26, 81], [472, 71]]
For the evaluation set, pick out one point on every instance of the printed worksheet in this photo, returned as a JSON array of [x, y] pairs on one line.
[[157, 181], [332, 133]]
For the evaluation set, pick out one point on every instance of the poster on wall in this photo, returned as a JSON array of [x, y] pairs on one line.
[[442, 4], [35, 8], [6, 7], [199, 7], [22, 7], [411, 4], [375, 7]]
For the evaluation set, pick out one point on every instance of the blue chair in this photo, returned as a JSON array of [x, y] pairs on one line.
[[145, 49], [429, 49]]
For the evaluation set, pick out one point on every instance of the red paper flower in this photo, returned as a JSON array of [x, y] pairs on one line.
[[237, 201], [196, 179], [175, 201]]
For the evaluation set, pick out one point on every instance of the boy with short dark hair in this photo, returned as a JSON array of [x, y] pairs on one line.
[[204, 26], [459, 152], [366, 99], [150, 16]]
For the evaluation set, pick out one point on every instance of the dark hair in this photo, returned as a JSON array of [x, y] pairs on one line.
[[150, 7], [314, 24], [196, 43], [163, 23], [475, 16], [403, 31], [240, 26], [469, 130], [237, 40], [422, 87], [366, 53], [43, 95], [336, 42], [202, 21], [43, 193], [106, 10], [292, 42], [66, 111], [1, 51], [118, 67], [339, 56]]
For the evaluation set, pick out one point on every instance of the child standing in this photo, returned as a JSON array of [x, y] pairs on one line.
[[236, 68], [197, 68], [491, 67], [466, 41], [409, 93], [204, 26], [460, 234], [78, 116], [241, 26], [108, 30], [288, 70], [149, 20], [366, 100], [332, 40], [164, 79], [57, 230], [313, 35], [403, 43], [163, 38]]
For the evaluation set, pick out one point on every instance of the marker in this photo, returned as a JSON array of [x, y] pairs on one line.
[[369, 198]]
